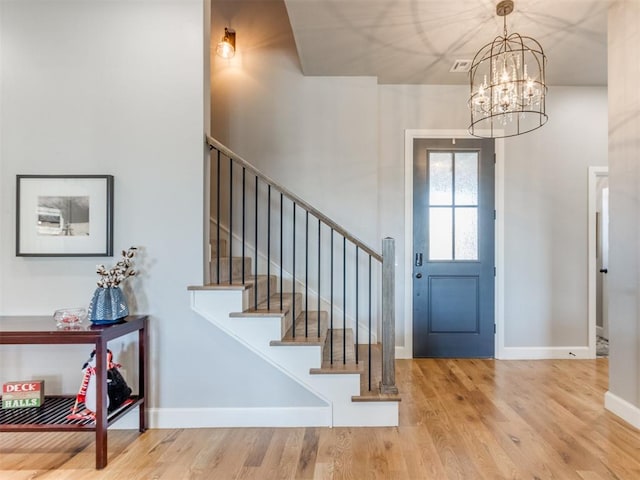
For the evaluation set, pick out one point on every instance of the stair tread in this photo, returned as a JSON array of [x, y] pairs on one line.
[[312, 337]]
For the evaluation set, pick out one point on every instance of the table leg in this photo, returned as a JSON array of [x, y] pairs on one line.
[[142, 381], [101, 404]]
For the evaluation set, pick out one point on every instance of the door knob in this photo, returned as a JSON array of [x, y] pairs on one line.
[[604, 270], [418, 275]]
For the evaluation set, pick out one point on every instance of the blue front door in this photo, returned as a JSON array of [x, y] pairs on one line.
[[453, 240]]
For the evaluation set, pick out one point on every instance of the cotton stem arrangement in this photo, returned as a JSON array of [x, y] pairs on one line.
[[122, 270]]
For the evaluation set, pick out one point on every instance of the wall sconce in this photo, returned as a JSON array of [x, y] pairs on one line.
[[227, 46]]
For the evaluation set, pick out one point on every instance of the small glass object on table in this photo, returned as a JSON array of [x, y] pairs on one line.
[[70, 318]]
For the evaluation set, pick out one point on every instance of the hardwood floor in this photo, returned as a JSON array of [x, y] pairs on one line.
[[459, 419]]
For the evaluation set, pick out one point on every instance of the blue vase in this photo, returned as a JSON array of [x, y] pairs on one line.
[[108, 305]]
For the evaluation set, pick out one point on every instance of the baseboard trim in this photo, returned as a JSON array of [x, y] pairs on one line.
[[623, 409], [545, 353], [229, 417], [524, 353]]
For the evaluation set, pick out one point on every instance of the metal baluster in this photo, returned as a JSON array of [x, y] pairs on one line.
[[306, 275], [281, 246], [244, 197], [255, 251], [370, 366], [230, 220], [356, 304], [344, 300], [268, 247], [218, 222], [319, 249], [331, 310], [293, 275]]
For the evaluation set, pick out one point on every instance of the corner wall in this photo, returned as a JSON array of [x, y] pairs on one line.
[[623, 397]]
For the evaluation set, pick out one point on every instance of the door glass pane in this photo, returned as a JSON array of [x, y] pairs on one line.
[[466, 247], [440, 233], [440, 178], [466, 178]]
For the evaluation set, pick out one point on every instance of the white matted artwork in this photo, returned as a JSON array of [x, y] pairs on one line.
[[64, 215]]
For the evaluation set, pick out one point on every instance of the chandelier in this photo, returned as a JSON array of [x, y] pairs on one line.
[[507, 84]]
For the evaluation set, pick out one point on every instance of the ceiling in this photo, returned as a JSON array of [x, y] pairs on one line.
[[417, 41]]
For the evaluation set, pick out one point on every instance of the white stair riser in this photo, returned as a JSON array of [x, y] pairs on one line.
[[218, 304]]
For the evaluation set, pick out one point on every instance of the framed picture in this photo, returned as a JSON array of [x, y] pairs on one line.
[[64, 216]]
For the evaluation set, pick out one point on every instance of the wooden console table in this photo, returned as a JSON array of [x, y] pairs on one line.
[[52, 415]]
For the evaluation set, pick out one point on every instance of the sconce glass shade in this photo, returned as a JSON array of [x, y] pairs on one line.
[[508, 88], [227, 46]]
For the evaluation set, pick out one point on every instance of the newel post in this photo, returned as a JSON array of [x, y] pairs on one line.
[[388, 384]]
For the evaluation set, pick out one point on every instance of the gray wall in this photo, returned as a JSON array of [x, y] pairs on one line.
[[624, 186], [546, 192], [313, 135], [118, 88]]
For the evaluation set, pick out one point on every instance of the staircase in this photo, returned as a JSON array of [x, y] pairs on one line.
[[288, 319]]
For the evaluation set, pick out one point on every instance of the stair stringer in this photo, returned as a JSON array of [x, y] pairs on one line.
[[256, 333], [216, 305]]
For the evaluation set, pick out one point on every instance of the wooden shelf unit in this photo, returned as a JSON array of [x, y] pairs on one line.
[[51, 416]]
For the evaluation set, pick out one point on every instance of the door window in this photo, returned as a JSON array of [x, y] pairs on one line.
[[453, 205]]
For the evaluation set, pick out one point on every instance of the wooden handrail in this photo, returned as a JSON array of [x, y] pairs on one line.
[[215, 144]]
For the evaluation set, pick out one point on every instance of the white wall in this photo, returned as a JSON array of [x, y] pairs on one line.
[[546, 181], [311, 134], [624, 208], [117, 88], [314, 135]]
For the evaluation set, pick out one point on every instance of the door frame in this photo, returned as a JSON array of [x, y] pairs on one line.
[[594, 173], [410, 135]]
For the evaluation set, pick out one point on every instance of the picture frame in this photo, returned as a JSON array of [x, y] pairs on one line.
[[64, 215]]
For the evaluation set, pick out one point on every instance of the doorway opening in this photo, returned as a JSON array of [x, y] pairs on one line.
[[598, 248], [405, 328]]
